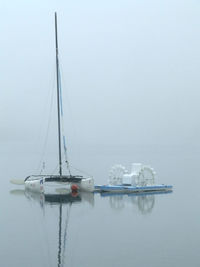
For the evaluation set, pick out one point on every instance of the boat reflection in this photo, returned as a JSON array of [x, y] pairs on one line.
[[55, 199], [63, 203], [143, 201]]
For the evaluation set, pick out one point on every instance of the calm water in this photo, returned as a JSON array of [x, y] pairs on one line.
[[102, 230]]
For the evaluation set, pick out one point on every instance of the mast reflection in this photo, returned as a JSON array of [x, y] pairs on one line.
[[62, 202], [144, 203]]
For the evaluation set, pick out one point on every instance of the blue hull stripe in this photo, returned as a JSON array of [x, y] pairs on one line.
[[132, 188]]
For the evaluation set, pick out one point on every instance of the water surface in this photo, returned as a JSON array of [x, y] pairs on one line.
[[101, 229]]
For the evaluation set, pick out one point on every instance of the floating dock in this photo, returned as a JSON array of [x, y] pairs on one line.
[[132, 189]]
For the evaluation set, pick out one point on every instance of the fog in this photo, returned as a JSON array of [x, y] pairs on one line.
[[130, 84], [130, 72]]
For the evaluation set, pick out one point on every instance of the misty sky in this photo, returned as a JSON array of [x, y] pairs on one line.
[[130, 71]]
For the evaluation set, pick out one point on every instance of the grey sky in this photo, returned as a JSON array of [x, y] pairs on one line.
[[130, 70]]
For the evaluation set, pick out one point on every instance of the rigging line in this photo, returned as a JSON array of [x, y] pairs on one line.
[[55, 169], [61, 102], [47, 131], [69, 108], [44, 111], [62, 123], [65, 86], [81, 171]]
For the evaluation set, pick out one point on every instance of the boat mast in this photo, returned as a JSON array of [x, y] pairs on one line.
[[58, 97]]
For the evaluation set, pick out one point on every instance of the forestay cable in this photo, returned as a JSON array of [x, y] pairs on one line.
[[62, 123]]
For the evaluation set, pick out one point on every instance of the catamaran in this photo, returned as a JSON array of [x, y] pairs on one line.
[[60, 183]]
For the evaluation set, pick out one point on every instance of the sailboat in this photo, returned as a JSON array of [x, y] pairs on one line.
[[60, 183]]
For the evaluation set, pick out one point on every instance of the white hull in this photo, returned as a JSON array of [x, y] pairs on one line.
[[87, 185], [40, 185]]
